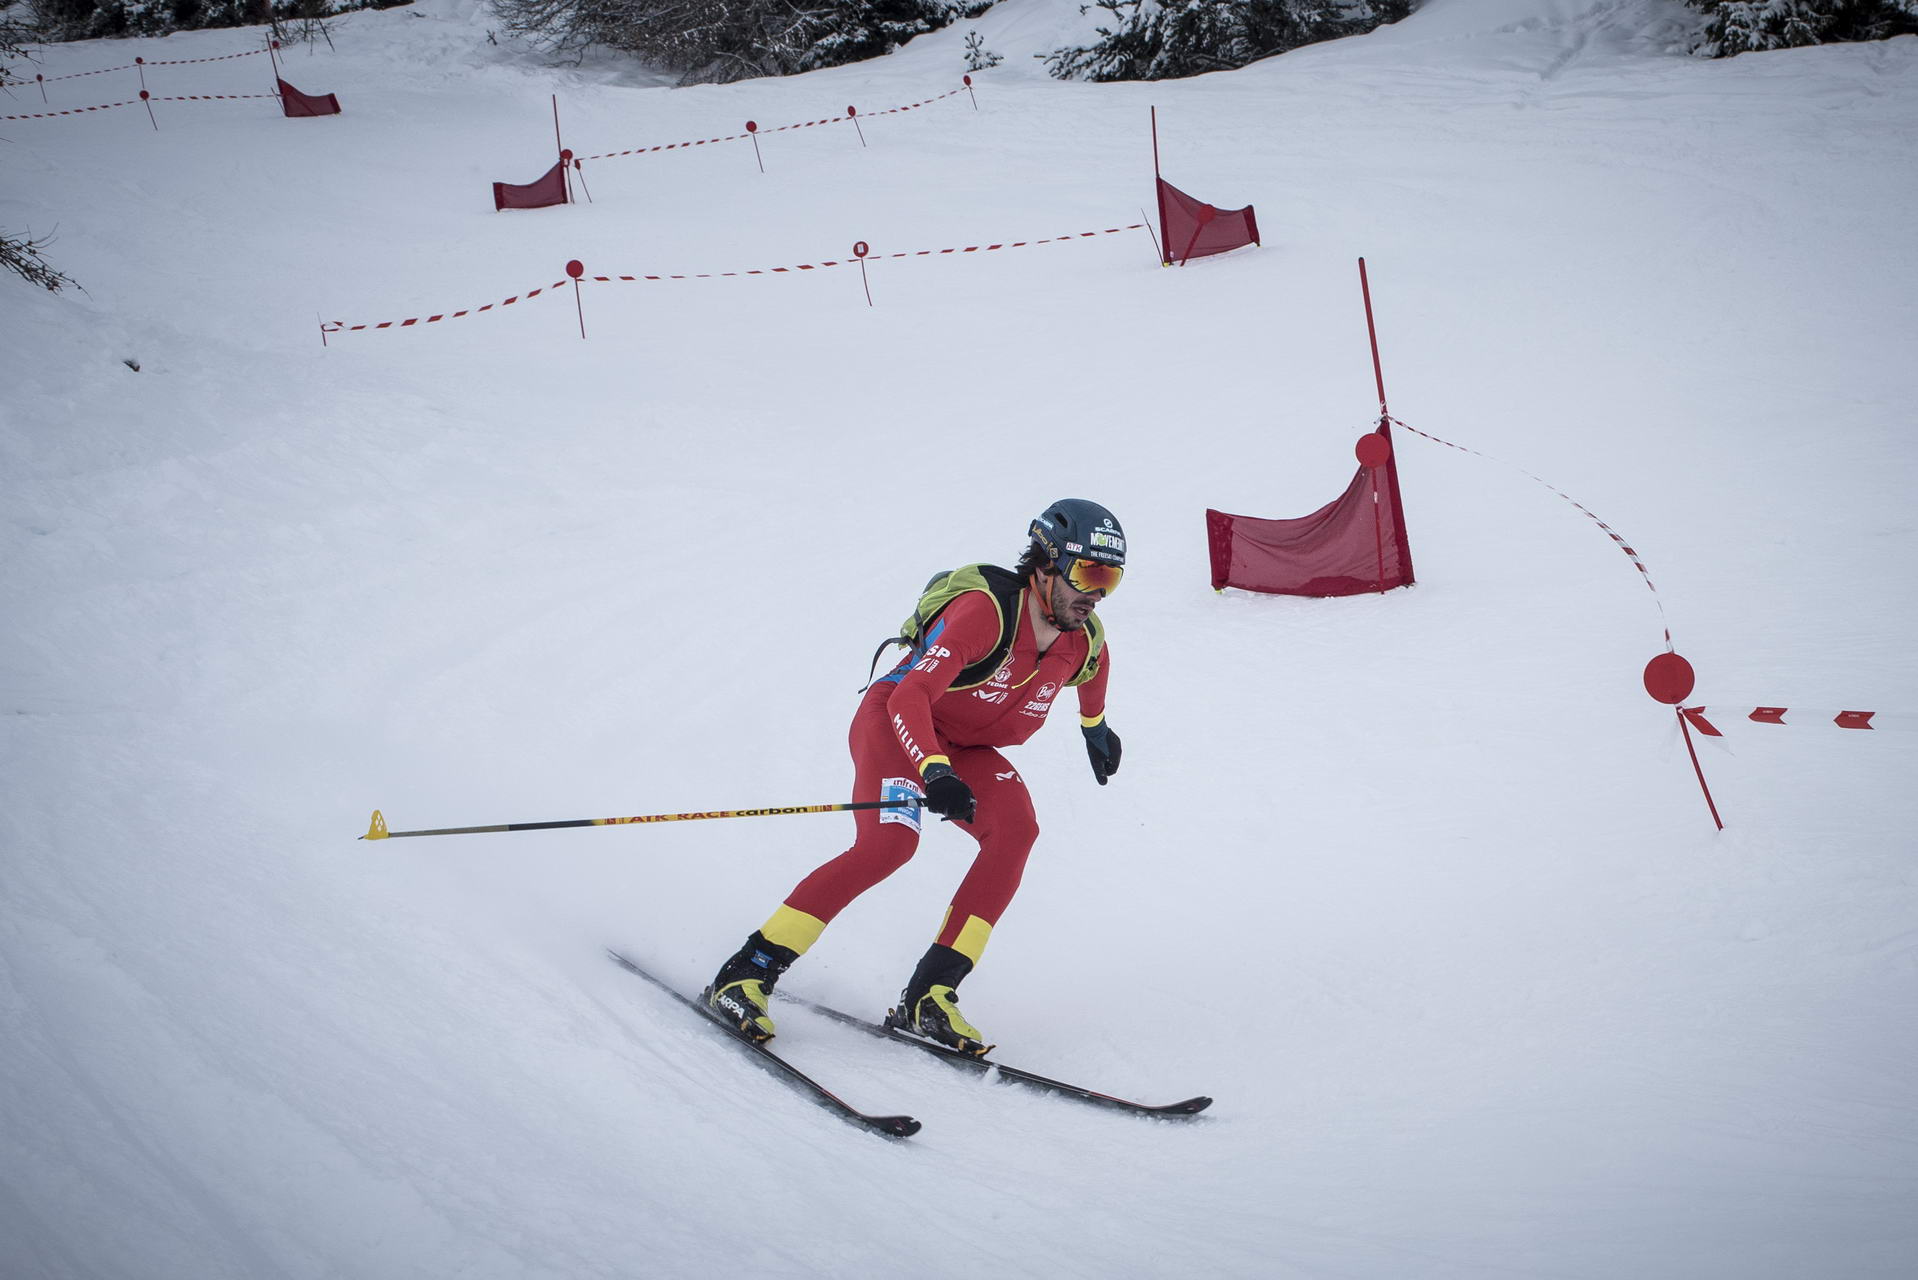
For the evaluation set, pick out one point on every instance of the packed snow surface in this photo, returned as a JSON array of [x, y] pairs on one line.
[[1421, 887]]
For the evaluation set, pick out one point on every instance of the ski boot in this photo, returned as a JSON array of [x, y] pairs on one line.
[[928, 1008], [740, 991]]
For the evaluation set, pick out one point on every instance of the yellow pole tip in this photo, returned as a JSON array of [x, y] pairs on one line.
[[378, 830]]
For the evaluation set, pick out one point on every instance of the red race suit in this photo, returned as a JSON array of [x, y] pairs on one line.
[[912, 717]]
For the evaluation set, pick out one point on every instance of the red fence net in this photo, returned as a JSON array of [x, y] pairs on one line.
[[1354, 544], [548, 189], [1190, 228], [297, 104]]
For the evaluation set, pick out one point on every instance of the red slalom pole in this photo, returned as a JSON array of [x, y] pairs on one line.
[[1670, 680], [1697, 769], [852, 113], [752, 131], [1164, 238], [1385, 429], [564, 155], [576, 269], [974, 96], [1372, 333], [859, 251]]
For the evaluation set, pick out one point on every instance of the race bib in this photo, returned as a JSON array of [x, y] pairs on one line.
[[891, 789]]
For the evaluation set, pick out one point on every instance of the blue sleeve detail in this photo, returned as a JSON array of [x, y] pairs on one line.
[[912, 657]]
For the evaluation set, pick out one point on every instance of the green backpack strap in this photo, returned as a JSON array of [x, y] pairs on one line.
[[911, 628], [1095, 646], [941, 590], [1005, 589]]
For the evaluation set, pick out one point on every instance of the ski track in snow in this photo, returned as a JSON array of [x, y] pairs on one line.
[[1419, 887]]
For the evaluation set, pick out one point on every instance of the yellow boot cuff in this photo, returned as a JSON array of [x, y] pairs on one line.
[[792, 929], [971, 942]]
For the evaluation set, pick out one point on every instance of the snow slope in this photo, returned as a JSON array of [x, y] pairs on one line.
[[1420, 887]]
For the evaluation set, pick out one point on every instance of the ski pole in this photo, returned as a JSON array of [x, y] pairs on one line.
[[378, 830]]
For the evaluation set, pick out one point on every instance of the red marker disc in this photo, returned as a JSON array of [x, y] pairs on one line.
[[1373, 449], [1669, 678]]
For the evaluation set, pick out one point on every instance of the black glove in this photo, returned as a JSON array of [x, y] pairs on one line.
[[1102, 747], [947, 794]]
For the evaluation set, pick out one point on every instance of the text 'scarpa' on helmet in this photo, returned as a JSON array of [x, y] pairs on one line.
[[1076, 529]]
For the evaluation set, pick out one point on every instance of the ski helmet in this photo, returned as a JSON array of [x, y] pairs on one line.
[[1073, 530]]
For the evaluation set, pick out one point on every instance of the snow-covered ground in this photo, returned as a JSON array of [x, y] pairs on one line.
[[1420, 887]]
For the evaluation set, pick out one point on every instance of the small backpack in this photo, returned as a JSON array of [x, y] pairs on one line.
[[1006, 590]]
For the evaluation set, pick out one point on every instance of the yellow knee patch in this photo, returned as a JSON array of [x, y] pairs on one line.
[[793, 929]]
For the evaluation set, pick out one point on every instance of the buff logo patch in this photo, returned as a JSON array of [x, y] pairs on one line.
[[893, 789]]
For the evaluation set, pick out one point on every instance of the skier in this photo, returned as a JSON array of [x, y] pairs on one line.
[[989, 651]]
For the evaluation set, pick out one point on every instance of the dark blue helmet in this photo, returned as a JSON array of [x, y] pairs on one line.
[[1074, 532]]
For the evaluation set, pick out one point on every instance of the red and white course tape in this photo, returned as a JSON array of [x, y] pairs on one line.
[[74, 111], [108, 106], [215, 97], [875, 257], [136, 63], [341, 326], [1610, 532], [187, 62], [752, 129]]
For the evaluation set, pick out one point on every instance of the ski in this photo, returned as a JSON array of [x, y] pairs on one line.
[[987, 1066], [889, 1126]]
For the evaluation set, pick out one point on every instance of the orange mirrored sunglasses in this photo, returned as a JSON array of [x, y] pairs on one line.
[[1087, 576]]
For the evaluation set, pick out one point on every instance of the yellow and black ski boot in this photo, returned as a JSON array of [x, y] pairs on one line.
[[928, 1008], [742, 989]]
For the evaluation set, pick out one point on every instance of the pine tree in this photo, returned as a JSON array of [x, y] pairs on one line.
[[978, 57], [1747, 26], [1168, 39], [715, 41]]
